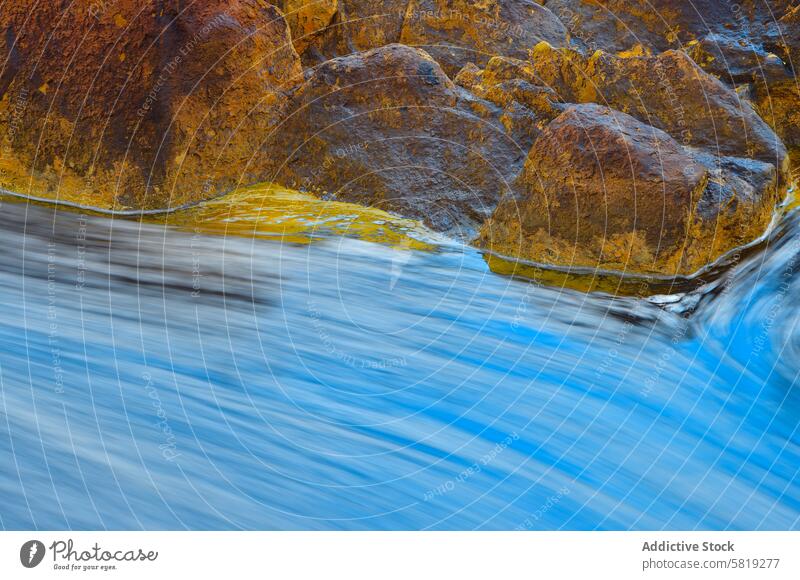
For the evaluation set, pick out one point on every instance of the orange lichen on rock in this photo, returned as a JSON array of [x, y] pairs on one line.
[[175, 120], [601, 189]]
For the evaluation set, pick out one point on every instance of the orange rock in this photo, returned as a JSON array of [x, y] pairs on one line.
[[456, 32], [142, 104], [357, 25], [668, 91], [601, 189], [307, 18], [453, 33]]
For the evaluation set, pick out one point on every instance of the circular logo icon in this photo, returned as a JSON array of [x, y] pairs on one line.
[[31, 553]]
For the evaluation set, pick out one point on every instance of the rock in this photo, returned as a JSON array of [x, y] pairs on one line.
[[527, 107], [388, 128], [166, 102], [453, 33], [760, 77], [736, 61], [374, 23], [601, 189], [778, 103], [307, 18], [783, 36], [777, 98], [660, 25], [668, 91], [357, 25], [456, 32], [150, 105]]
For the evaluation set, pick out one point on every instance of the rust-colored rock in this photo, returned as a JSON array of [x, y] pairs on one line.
[[356, 25], [668, 91], [601, 189], [453, 33], [527, 107], [161, 102], [456, 32], [307, 19], [138, 103], [388, 128]]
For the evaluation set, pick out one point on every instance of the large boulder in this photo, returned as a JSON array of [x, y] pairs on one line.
[[142, 104], [668, 91], [388, 128], [601, 189]]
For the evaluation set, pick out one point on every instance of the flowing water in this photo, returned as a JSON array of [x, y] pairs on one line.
[[323, 366]]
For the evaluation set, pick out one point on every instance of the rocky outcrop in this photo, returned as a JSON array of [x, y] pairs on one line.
[[735, 62], [632, 198], [750, 45], [759, 77], [151, 104], [388, 128], [640, 134], [456, 32], [527, 107], [668, 91], [659, 25], [355, 26], [307, 19]]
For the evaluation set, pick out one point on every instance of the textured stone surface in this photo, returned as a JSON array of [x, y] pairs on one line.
[[388, 128], [151, 104], [668, 91], [307, 19], [456, 32], [618, 25], [633, 198]]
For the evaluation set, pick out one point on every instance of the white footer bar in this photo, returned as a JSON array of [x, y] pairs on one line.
[[400, 555]]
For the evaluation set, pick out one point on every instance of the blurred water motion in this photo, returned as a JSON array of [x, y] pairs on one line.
[[167, 376]]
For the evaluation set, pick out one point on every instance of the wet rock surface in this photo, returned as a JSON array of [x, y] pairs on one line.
[[388, 128], [648, 136], [634, 198]]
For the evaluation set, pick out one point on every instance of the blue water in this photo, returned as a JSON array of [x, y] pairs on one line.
[[161, 379]]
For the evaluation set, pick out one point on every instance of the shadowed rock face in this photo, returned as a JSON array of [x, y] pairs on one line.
[[618, 25], [388, 128], [138, 103], [633, 198]]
